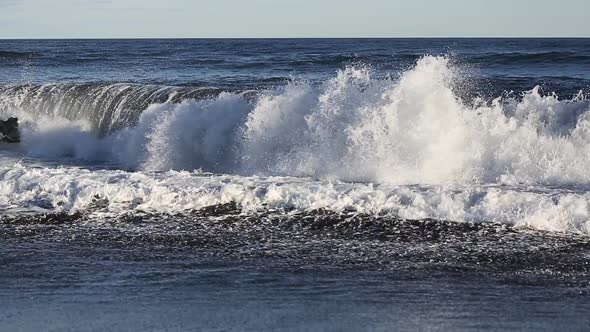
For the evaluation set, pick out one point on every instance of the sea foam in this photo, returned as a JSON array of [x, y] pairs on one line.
[[515, 159]]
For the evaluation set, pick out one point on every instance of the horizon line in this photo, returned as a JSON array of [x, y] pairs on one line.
[[303, 38]]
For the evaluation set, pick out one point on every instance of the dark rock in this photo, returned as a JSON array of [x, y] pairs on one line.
[[9, 132]]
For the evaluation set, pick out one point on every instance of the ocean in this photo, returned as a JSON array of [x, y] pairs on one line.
[[295, 184]]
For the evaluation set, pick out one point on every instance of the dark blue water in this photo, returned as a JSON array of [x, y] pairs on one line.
[[560, 65], [100, 228]]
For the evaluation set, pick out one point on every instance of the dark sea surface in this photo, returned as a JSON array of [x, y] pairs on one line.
[[560, 65], [295, 184]]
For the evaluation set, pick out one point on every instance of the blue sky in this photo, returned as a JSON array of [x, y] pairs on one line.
[[292, 18]]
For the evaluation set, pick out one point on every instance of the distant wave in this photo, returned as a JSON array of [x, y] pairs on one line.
[[521, 58], [17, 55]]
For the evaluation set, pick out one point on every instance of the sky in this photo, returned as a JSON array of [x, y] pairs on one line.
[[292, 18]]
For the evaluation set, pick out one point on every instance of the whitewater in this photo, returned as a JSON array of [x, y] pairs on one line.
[[410, 147]]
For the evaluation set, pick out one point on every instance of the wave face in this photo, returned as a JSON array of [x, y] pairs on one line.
[[352, 127], [105, 107], [411, 146]]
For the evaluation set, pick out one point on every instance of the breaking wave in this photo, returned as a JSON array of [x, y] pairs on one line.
[[411, 146], [352, 128], [105, 107]]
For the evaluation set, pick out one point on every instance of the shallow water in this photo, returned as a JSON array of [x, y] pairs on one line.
[[69, 288], [219, 270]]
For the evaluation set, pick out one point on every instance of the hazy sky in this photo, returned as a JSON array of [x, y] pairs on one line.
[[292, 18]]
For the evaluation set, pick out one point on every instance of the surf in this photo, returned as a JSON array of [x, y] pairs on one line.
[[410, 147], [415, 129]]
